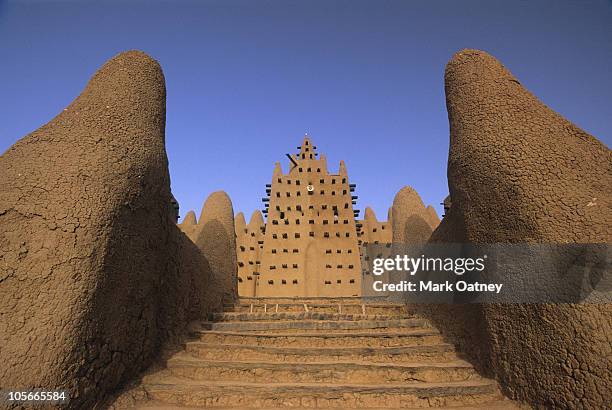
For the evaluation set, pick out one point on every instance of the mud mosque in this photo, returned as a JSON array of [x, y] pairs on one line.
[[121, 313], [313, 245], [310, 245]]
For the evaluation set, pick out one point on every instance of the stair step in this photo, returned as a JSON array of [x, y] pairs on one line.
[[185, 366], [501, 404], [176, 391], [425, 353], [314, 325], [324, 353], [267, 316], [409, 337], [368, 301], [317, 307]]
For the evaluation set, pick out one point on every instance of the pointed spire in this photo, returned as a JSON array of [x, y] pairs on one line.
[[432, 217], [189, 219], [409, 225], [323, 160], [239, 223], [307, 150], [370, 215], [216, 239], [256, 221], [342, 170], [217, 205], [278, 171]]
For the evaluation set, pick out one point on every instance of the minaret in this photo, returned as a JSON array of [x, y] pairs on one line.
[[309, 206]]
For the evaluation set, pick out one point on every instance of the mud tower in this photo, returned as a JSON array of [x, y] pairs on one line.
[[309, 245], [249, 241], [378, 235]]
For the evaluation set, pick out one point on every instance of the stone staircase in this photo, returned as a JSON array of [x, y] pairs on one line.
[[315, 354]]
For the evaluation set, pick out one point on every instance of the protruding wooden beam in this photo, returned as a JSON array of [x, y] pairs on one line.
[[295, 164]]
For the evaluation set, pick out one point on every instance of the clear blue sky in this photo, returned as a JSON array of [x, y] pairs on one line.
[[246, 79]]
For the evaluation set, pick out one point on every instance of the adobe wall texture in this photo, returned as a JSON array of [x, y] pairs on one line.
[[411, 222], [519, 172], [190, 226], [378, 235], [216, 239], [372, 230], [94, 274], [432, 217], [240, 224], [249, 241]]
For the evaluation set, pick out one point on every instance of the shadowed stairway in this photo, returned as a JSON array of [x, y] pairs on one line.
[[316, 353]]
